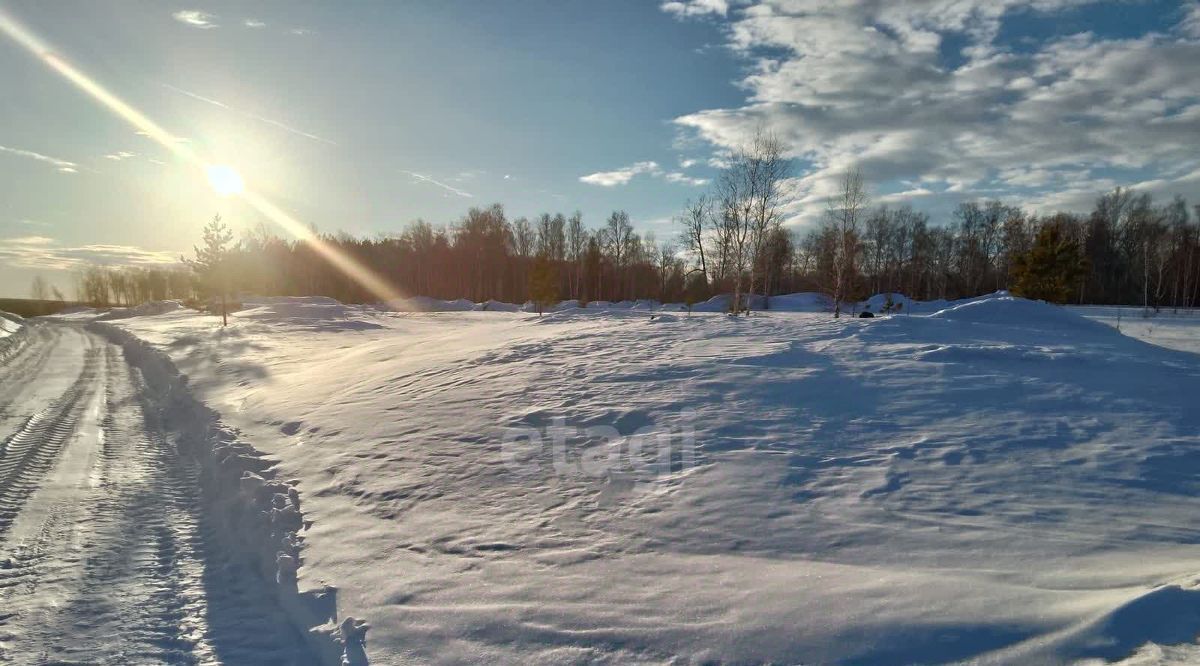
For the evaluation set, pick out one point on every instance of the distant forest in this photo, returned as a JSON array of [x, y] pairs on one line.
[[1131, 250]]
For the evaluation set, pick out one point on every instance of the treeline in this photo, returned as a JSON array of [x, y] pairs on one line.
[[484, 256], [1128, 250], [1134, 251], [102, 286], [1131, 251]]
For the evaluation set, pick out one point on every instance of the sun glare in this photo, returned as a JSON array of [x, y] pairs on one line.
[[225, 180]]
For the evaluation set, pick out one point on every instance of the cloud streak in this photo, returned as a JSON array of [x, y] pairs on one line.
[[620, 176], [626, 174], [46, 253], [421, 178], [253, 116], [63, 166]]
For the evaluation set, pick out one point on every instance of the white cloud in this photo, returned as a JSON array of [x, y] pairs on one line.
[[120, 155], [620, 176], [63, 166], [302, 32], [195, 18], [1191, 20], [696, 7], [864, 83], [421, 178], [47, 253], [253, 23]]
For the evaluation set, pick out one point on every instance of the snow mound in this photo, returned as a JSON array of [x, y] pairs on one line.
[[497, 306], [718, 303], [149, 309], [805, 301], [1001, 309], [878, 302], [317, 312]]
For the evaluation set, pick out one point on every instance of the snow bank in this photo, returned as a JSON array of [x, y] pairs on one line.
[[257, 516], [77, 313], [12, 334], [148, 309], [10, 323]]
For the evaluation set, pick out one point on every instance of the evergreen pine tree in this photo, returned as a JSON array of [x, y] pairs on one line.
[[1052, 268], [543, 283], [210, 264]]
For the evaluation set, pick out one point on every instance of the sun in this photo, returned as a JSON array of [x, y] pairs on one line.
[[225, 180]]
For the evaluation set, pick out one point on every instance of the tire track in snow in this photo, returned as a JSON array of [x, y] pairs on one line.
[[29, 453], [112, 560], [17, 394]]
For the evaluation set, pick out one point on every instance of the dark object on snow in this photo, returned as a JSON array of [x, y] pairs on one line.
[[866, 315]]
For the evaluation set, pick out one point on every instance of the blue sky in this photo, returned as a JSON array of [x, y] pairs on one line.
[[364, 116]]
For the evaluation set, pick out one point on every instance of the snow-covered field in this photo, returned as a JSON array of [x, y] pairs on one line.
[[1000, 481], [1167, 328]]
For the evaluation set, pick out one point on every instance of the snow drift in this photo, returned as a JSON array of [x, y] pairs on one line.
[[144, 310], [863, 491], [1001, 309]]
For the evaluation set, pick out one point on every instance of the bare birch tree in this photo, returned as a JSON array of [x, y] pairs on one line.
[[842, 219], [750, 196], [695, 221]]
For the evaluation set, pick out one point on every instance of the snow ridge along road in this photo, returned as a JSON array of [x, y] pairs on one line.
[[107, 554]]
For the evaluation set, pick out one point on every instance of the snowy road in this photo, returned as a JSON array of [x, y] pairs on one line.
[[105, 552]]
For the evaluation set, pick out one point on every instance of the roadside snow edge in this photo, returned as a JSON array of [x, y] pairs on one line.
[[259, 517]]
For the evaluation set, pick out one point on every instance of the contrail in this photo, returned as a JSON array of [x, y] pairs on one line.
[[247, 114], [448, 188], [64, 166]]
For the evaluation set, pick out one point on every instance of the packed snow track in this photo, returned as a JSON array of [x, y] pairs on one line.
[[106, 555]]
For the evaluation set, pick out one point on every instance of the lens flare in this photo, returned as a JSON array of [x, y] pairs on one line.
[[224, 179]]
